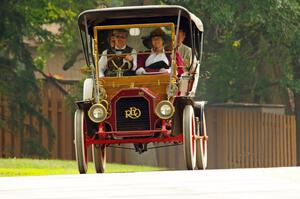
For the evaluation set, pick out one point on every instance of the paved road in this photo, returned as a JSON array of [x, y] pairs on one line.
[[283, 183]]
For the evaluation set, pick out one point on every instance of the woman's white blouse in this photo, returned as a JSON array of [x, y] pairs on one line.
[[156, 58]]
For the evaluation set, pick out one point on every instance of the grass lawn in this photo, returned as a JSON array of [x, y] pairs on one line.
[[30, 167]]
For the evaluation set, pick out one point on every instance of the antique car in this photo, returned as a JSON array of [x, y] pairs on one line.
[[127, 107]]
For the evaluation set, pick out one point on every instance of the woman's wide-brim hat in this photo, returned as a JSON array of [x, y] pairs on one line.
[[158, 32]]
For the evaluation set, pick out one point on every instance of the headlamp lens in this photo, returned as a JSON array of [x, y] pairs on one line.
[[166, 110]]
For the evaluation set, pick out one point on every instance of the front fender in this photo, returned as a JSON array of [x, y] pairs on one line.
[[88, 89]]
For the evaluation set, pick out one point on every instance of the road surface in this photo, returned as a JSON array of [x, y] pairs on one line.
[[281, 183]]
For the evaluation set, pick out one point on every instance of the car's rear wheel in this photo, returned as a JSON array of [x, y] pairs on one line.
[[99, 157], [201, 144], [189, 137], [80, 130]]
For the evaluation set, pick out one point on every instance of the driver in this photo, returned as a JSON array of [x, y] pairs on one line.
[[120, 59]]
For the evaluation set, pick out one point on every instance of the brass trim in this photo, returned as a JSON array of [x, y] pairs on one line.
[[135, 26], [133, 113], [157, 109], [90, 113]]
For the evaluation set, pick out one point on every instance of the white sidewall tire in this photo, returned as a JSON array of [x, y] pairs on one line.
[[79, 141], [99, 157], [189, 131], [201, 147], [201, 156], [88, 89]]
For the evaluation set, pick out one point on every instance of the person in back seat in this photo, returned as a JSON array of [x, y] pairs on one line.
[[184, 50]]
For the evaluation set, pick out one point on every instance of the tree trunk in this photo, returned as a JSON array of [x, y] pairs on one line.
[[276, 94], [297, 112], [296, 68]]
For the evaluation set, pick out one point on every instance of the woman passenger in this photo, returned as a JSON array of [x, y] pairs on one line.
[[157, 60]]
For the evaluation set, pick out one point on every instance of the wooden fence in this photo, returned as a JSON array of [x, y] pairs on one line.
[[54, 108], [250, 139], [237, 139]]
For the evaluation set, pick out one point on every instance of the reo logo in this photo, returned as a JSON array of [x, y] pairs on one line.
[[133, 113]]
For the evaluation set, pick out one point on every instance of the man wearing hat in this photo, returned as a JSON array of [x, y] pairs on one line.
[[119, 59], [157, 60]]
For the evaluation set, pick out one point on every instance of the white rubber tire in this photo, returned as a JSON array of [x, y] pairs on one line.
[[99, 157], [80, 149], [189, 134], [201, 146]]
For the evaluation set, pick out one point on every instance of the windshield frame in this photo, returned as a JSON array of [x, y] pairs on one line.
[[112, 27]]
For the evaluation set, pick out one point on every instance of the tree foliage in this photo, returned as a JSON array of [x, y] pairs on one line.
[[252, 51], [18, 83], [249, 47], [23, 21]]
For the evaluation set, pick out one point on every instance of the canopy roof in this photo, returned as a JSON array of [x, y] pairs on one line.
[[136, 15]]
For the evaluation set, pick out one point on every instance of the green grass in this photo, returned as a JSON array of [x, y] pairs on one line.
[[30, 167]]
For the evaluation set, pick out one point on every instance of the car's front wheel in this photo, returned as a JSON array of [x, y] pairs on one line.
[[99, 157], [80, 130], [189, 137]]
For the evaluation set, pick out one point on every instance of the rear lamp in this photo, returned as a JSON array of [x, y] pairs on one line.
[[164, 109], [97, 113]]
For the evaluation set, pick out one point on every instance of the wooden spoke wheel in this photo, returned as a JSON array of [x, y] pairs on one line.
[[201, 144], [99, 157], [80, 130], [189, 137]]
